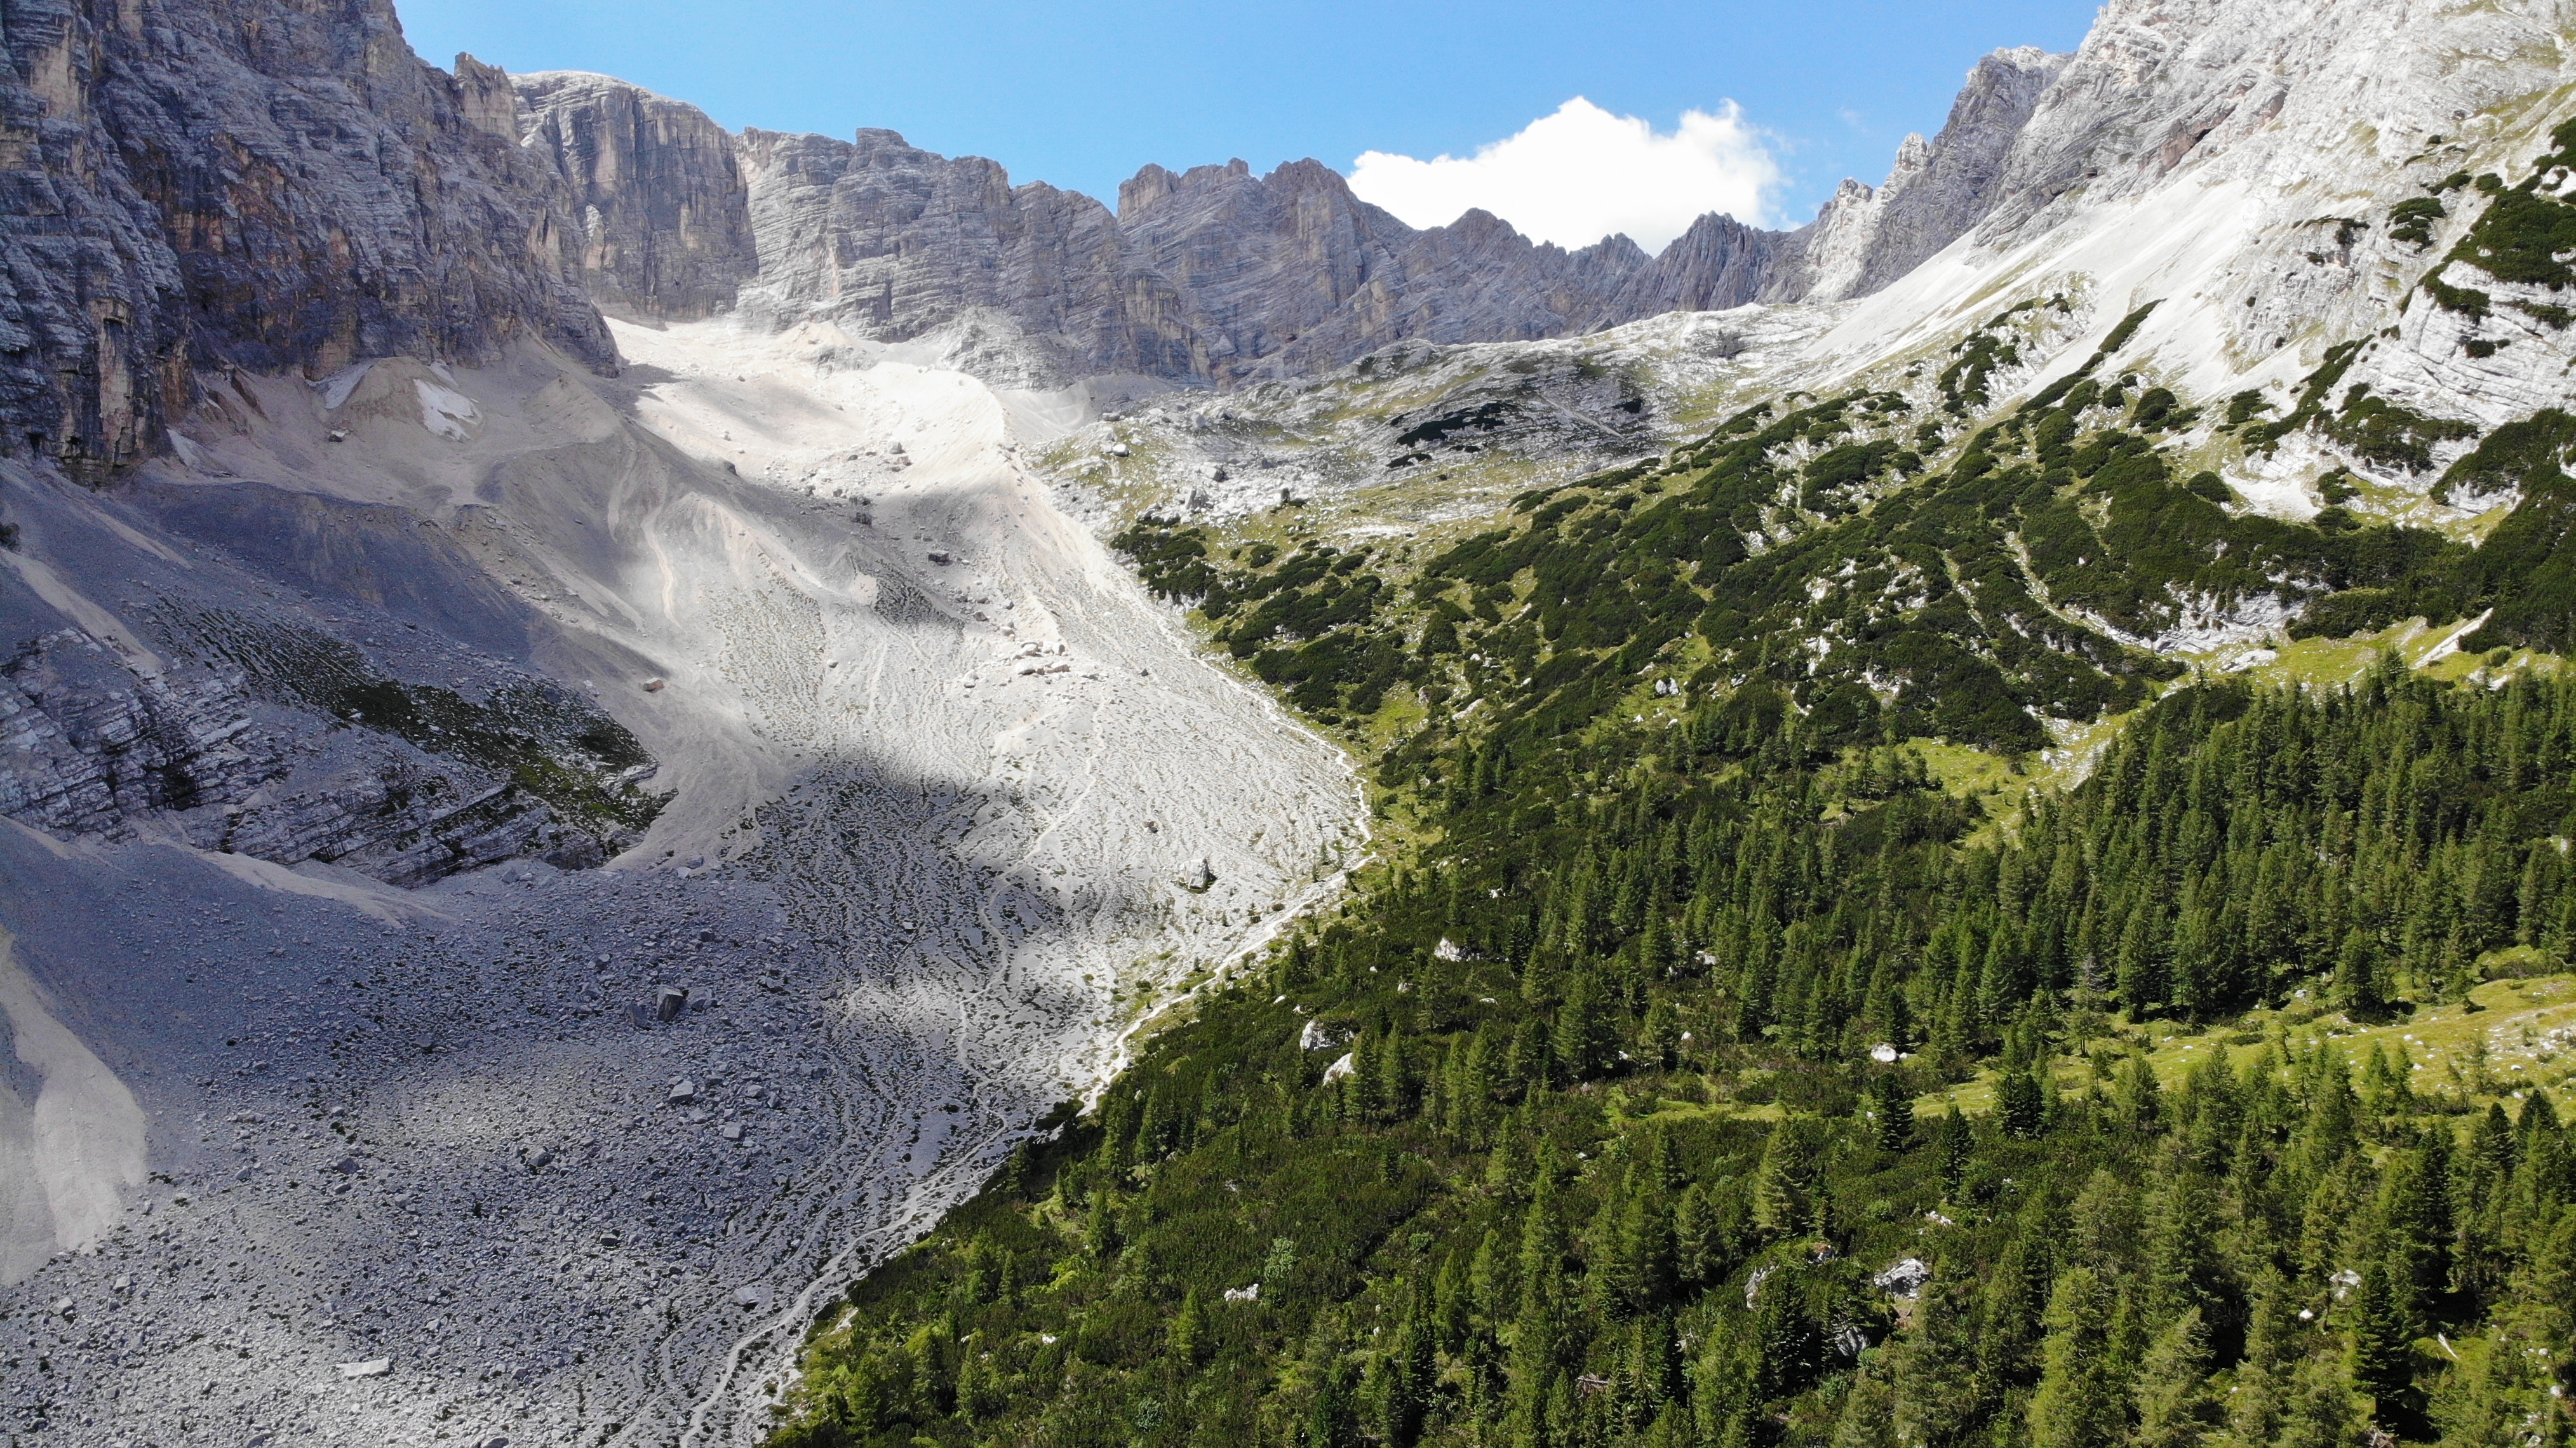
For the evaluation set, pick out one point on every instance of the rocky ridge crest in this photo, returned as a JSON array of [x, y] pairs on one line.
[[1213, 275]]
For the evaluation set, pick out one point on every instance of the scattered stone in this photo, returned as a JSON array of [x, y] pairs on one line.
[[669, 1002], [371, 1368], [754, 1295], [1905, 1279], [683, 1092]]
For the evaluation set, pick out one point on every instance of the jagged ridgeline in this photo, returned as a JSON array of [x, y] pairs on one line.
[[1705, 1071]]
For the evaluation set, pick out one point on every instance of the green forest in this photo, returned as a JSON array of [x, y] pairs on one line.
[[1611, 1161], [1695, 1069]]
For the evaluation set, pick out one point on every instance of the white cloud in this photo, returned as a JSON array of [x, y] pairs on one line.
[[1582, 174]]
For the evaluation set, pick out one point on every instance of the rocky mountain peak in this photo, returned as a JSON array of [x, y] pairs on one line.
[[1865, 238], [1211, 274]]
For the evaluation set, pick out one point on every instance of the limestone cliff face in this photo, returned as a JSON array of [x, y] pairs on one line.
[[1212, 275], [1290, 273], [1720, 263], [193, 184], [651, 185], [892, 242]]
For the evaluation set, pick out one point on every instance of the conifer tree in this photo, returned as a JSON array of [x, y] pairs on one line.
[[1189, 1332], [1868, 1418], [1932, 1368], [2078, 1405], [1781, 1204], [1330, 1422], [1892, 1113], [2322, 1412], [1958, 1148], [2175, 1407], [2377, 1350]]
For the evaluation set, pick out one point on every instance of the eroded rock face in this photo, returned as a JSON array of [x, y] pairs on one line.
[[1865, 239], [664, 226], [891, 242], [91, 747], [1212, 275], [252, 183], [205, 183], [86, 746]]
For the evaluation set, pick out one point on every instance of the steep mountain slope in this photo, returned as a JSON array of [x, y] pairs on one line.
[[938, 804]]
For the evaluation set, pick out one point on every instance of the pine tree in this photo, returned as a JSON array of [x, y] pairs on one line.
[[1189, 1332], [1933, 1369], [2175, 1407], [1869, 1415], [2255, 1409], [1892, 1113], [1585, 1041], [1958, 1148], [1408, 1375], [2018, 1102], [2356, 983], [1330, 1421], [2415, 1213], [2321, 1411], [1781, 1203], [2141, 1099], [1697, 1248], [2186, 1272], [2078, 1404], [2377, 1352]]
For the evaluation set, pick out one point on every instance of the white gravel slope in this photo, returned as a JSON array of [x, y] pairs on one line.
[[931, 850]]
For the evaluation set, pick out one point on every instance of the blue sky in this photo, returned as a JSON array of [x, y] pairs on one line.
[[1082, 94]]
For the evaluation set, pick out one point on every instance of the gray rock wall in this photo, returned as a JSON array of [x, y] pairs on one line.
[[1212, 275], [193, 184], [655, 195]]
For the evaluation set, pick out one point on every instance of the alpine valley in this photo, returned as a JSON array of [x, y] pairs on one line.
[[665, 786]]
